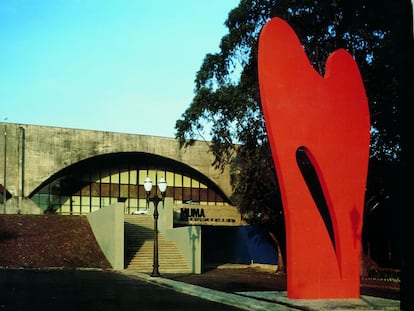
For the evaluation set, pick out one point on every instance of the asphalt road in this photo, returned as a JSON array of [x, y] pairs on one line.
[[61, 290]]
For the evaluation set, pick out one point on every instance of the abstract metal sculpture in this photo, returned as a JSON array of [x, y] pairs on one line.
[[319, 132]]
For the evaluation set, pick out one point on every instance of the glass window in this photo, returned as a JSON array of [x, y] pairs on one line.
[[95, 189], [133, 177], [114, 177], [142, 175], [178, 180], [124, 177], [186, 182]]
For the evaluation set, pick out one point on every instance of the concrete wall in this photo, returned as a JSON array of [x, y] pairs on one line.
[[188, 241], [34, 153], [108, 227], [165, 218]]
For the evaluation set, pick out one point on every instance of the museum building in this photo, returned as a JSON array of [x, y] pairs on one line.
[[80, 172]]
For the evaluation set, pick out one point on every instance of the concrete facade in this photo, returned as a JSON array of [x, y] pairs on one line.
[[31, 154], [108, 228]]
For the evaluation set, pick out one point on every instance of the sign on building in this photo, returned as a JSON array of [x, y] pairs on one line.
[[194, 214]]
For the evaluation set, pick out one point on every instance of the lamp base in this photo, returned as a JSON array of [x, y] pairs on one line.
[[155, 273]]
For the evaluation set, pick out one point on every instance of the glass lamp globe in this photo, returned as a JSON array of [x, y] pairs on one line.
[[162, 185], [148, 184]]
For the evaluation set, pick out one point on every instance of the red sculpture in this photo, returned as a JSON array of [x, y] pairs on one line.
[[319, 131]]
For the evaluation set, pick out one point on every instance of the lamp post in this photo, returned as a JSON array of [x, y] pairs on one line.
[[162, 185], [4, 169]]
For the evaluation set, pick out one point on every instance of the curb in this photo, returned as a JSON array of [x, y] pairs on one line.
[[235, 300], [266, 301]]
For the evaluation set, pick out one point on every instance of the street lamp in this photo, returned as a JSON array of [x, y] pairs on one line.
[[4, 168], [162, 185]]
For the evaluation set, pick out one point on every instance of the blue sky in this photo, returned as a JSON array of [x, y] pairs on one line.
[[112, 65]]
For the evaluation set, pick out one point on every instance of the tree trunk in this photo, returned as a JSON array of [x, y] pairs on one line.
[[280, 261], [367, 264]]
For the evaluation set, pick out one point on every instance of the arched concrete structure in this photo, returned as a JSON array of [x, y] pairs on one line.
[[31, 154]]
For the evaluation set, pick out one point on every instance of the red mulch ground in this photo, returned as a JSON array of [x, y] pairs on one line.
[[38, 241], [251, 279]]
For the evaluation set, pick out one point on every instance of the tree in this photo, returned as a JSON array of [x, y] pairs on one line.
[[226, 107]]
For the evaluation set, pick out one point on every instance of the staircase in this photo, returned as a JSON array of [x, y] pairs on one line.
[[139, 247]]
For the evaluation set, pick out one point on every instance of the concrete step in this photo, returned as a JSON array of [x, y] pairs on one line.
[[146, 221], [139, 248]]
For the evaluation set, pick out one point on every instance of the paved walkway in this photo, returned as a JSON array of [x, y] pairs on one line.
[[267, 300]]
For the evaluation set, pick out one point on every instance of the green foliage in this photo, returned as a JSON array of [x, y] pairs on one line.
[[226, 108]]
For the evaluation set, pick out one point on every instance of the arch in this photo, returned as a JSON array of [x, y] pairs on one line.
[[88, 179]]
